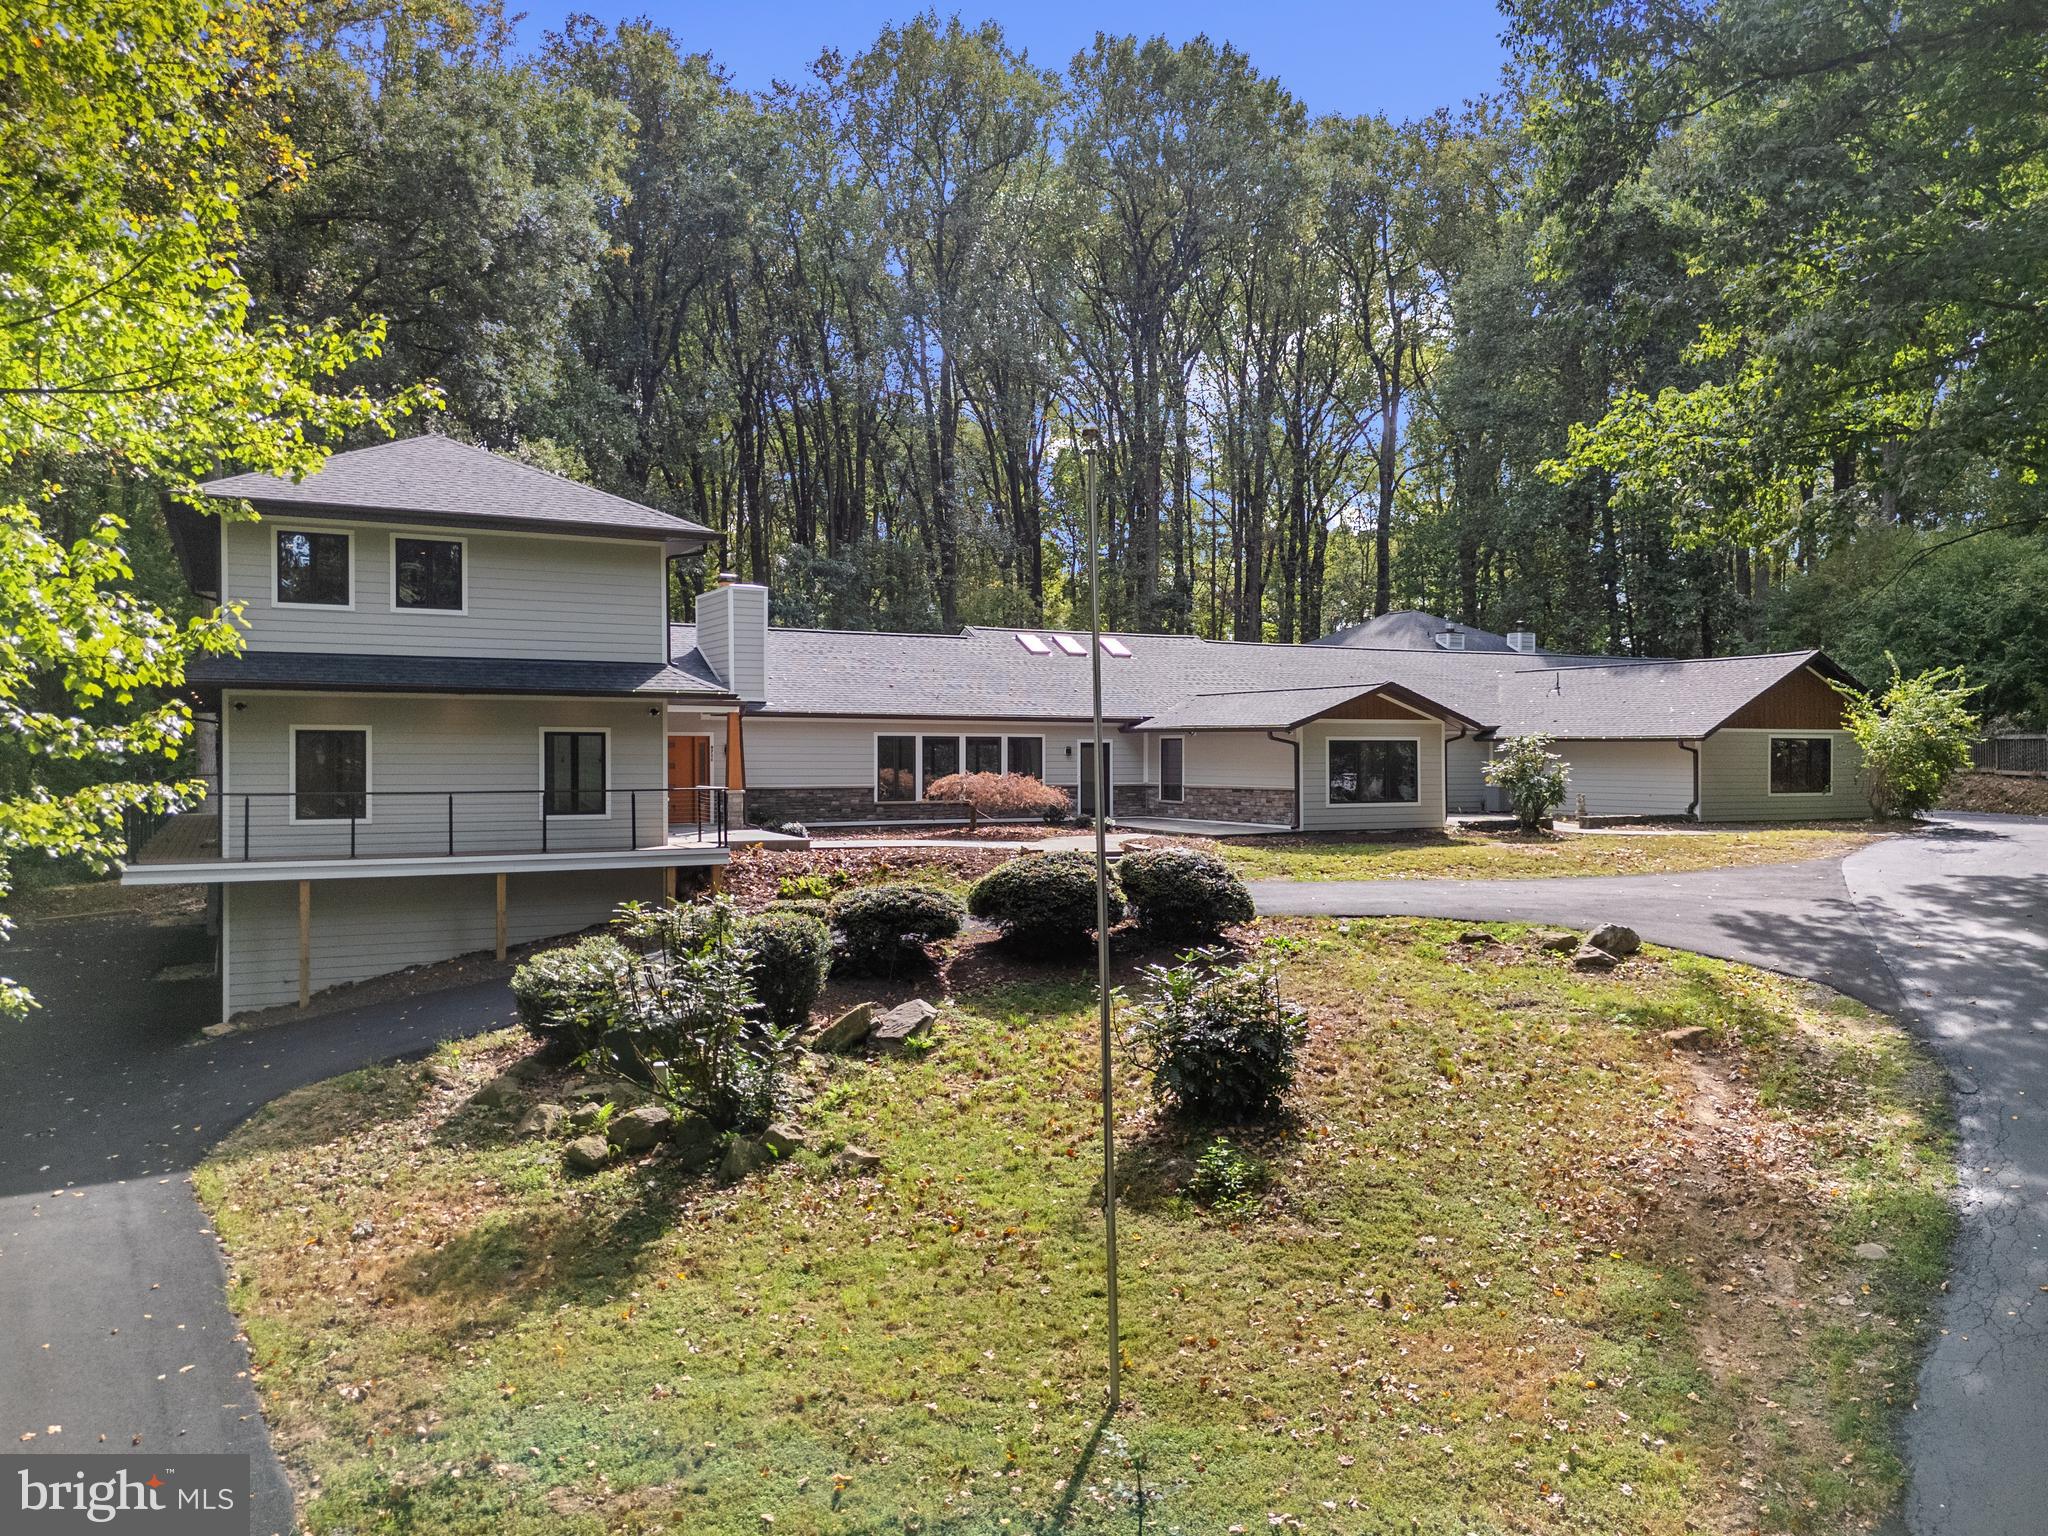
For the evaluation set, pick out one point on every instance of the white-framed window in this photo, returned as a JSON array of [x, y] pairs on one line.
[[429, 574], [1802, 765], [575, 769], [1024, 755], [1373, 770], [908, 763], [1172, 769], [329, 773], [313, 568]]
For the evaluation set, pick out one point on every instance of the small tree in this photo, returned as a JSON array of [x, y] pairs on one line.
[[1002, 797], [1531, 776], [1914, 737]]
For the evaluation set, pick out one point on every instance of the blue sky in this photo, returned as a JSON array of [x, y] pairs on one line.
[[1403, 59]]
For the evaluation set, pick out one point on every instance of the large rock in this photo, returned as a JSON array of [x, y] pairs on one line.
[[587, 1115], [743, 1157], [586, 1154], [638, 1129], [498, 1093], [859, 1159], [695, 1141], [902, 1024], [783, 1138], [1590, 958], [544, 1120], [846, 1031], [1558, 940], [1617, 940]]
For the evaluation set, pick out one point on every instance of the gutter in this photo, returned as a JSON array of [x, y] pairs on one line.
[[1294, 822], [1693, 751]]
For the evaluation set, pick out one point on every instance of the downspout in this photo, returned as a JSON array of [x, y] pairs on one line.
[[1693, 811], [1294, 822], [1447, 767]]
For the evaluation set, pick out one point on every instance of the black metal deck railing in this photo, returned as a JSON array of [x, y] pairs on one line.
[[254, 825]]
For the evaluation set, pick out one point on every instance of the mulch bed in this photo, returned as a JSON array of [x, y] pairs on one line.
[[755, 876], [2017, 794]]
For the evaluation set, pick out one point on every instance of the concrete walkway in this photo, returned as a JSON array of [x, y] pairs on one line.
[[1948, 930], [117, 1330]]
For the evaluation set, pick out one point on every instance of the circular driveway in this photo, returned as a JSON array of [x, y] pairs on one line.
[[118, 1331]]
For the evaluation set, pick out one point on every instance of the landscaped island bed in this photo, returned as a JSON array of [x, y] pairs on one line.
[[1476, 855], [1528, 1261]]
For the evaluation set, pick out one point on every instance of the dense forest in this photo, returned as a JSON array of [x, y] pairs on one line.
[[1718, 326]]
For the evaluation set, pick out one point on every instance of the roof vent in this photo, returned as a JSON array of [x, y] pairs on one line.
[[1522, 638], [1070, 645], [1034, 645], [1111, 646], [1452, 640]]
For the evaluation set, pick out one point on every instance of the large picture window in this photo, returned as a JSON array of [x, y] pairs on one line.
[[573, 773], [1802, 765], [941, 758], [895, 769], [1374, 772], [427, 573], [1027, 756], [330, 774], [1172, 769], [984, 754], [313, 568]]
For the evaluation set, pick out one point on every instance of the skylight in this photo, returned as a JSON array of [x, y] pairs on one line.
[[1070, 645], [1111, 646], [1034, 645]]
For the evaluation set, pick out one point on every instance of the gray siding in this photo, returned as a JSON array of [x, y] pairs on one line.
[[1627, 778], [1735, 780], [1465, 787], [732, 633], [421, 748], [1318, 815], [557, 599], [365, 928]]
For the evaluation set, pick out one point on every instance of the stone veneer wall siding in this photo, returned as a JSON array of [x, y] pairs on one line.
[[1275, 807]]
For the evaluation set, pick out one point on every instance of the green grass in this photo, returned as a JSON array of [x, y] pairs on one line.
[[1483, 1288], [1511, 856]]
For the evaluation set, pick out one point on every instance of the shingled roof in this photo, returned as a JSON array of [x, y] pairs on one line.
[[1175, 682], [436, 477], [454, 674]]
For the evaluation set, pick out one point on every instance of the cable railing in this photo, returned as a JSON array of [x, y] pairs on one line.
[[244, 826]]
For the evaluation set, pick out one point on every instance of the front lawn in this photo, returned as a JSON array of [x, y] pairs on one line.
[[1513, 856], [1527, 1261]]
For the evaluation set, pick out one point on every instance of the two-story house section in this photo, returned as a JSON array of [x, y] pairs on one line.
[[455, 724]]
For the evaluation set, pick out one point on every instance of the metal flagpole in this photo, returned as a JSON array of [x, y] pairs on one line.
[[1091, 441]]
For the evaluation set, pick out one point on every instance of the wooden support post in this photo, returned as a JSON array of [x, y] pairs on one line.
[[670, 880], [305, 942], [717, 873], [501, 917]]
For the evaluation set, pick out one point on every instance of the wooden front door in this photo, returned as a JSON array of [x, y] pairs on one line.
[[689, 770]]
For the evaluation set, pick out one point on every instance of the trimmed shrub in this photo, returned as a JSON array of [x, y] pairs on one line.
[[788, 954], [879, 927], [1182, 895], [1218, 1039], [1043, 902], [1002, 797], [569, 996]]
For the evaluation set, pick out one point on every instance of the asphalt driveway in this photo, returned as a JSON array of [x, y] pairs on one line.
[[1948, 930], [117, 1328], [111, 1281]]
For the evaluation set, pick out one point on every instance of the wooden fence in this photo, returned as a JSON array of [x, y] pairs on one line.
[[2017, 753]]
